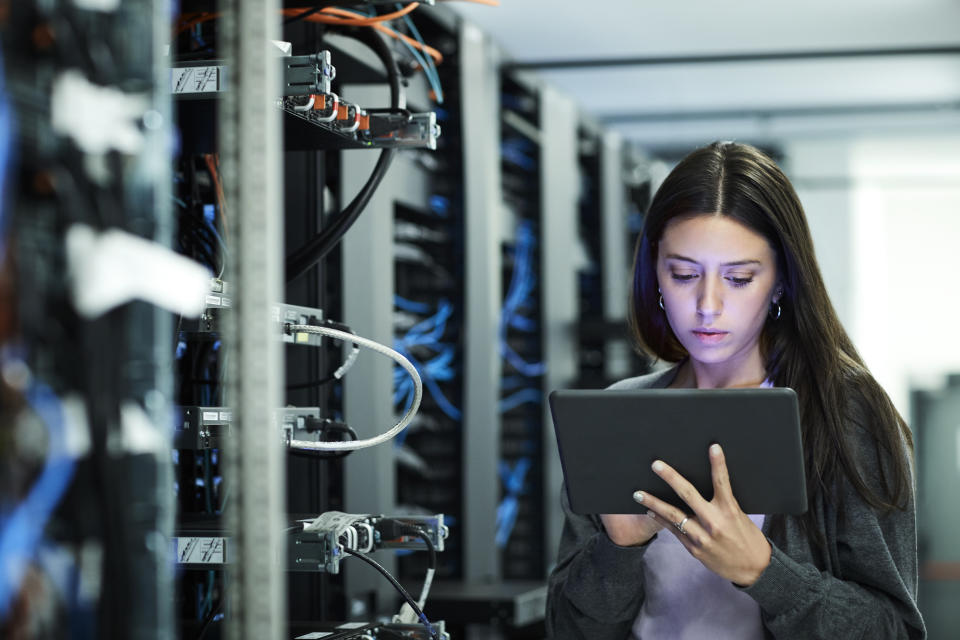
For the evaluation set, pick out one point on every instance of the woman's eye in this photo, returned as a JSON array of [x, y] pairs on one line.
[[683, 277], [740, 282]]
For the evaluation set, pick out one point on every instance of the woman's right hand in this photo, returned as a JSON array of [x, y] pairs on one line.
[[629, 529]]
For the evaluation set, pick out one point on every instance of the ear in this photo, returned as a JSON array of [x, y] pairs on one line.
[[777, 293]]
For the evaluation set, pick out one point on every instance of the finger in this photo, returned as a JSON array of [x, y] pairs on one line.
[[721, 475], [664, 513], [686, 537], [718, 470], [681, 486]]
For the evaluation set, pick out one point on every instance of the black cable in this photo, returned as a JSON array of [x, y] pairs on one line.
[[342, 427], [214, 612], [420, 533], [399, 587], [325, 426], [317, 247]]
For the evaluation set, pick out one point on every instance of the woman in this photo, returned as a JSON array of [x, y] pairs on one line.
[[726, 286]]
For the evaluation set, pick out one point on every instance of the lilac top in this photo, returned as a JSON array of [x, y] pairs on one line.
[[684, 599]]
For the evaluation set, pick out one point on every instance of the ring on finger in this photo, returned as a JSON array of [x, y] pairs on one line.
[[679, 525]]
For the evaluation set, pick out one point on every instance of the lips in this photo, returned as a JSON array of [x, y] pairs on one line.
[[710, 336]]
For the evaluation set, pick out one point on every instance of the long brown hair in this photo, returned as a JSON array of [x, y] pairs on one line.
[[806, 348]]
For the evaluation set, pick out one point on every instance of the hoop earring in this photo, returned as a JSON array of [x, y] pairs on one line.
[[661, 304], [775, 314]]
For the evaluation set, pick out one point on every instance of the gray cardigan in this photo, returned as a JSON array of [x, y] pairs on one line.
[[863, 586]]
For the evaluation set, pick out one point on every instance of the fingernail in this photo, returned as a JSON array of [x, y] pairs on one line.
[[715, 449], [658, 466], [638, 496]]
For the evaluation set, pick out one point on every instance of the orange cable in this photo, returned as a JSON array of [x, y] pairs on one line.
[[382, 28], [188, 21], [354, 19], [212, 160], [430, 51], [489, 3], [194, 20]]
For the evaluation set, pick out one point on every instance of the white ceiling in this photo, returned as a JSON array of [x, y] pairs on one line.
[[762, 98]]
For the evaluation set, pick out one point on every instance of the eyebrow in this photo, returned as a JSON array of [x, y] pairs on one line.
[[735, 263]]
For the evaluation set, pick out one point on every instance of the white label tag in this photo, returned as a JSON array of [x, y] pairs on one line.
[[200, 550], [226, 416], [213, 416], [215, 300], [314, 635], [196, 80], [353, 625]]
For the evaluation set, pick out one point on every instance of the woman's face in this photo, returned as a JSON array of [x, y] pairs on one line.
[[718, 279]]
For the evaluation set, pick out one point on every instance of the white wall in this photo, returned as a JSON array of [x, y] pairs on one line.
[[885, 216]]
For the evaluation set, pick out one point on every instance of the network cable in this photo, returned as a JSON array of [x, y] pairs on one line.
[[22, 529], [426, 334], [399, 587], [425, 62], [406, 611], [522, 285], [513, 483], [379, 348], [6, 137], [340, 371], [317, 247], [356, 535], [530, 395]]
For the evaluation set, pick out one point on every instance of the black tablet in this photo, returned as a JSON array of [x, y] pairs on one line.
[[608, 440]]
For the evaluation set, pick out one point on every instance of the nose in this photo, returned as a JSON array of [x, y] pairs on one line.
[[709, 302]]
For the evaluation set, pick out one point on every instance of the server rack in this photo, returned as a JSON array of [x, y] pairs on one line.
[[591, 281], [520, 514], [430, 290], [937, 451], [83, 174], [407, 251], [609, 217], [318, 178]]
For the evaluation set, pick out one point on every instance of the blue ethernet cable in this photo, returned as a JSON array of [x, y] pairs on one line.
[[529, 395], [513, 483], [426, 62], [410, 306], [21, 530], [6, 154], [522, 284], [426, 334]]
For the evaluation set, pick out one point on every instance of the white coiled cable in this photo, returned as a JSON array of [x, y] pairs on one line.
[[379, 348]]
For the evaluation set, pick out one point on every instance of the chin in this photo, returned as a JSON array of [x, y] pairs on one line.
[[709, 356]]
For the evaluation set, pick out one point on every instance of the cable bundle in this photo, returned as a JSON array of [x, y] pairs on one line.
[[426, 336], [519, 297], [350, 529], [525, 386]]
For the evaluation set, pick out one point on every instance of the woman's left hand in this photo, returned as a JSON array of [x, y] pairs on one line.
[[718, 533]]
